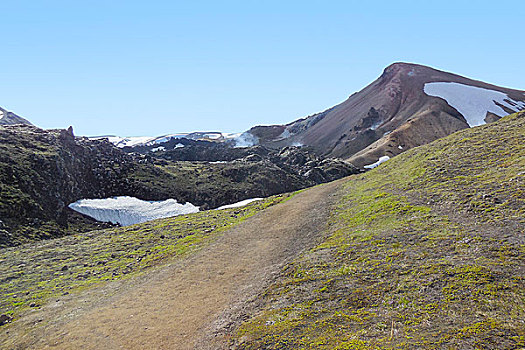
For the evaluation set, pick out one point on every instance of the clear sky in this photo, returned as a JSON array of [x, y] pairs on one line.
[[152, 67]]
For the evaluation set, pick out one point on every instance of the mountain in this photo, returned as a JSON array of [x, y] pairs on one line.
[[43, 171], [9, 118], [407, 106], [235, 140]]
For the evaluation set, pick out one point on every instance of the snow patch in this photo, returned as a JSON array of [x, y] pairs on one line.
[[179, 145], [376, 164], [126, 210], [400, 147], [239, 204], [134, 141], [284, 135], [375, 126], [122, 142], [156, 149], [473, 102], [2, 115], [245, 140]]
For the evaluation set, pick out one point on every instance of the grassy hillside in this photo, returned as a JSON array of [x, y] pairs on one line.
[[33, 273], [426, 251]]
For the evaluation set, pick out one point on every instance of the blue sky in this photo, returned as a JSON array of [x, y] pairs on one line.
[[154, 67]]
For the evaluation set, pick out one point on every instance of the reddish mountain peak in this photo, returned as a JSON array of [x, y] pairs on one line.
[[396, 66], [396, 101]]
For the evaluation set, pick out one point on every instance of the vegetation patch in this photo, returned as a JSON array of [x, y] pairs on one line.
[[426, 251], [33, 273]]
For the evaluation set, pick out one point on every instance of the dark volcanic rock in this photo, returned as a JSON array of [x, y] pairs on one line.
[[43, 171], [5, 319]]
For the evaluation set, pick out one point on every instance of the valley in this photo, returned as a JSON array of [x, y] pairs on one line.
[[394, 220]]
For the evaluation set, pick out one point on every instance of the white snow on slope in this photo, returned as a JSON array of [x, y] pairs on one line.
[[473, 102], [2, 115], [240, 139], [245, 139], [284, 135], [239, 204], [376, 164], [130, 210], [132, 141]]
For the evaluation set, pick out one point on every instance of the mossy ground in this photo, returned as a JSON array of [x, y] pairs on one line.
[[426, 251], [33, 273]]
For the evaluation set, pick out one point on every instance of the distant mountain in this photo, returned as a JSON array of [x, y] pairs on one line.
[[233, 139], [9, 118], [407, 106]]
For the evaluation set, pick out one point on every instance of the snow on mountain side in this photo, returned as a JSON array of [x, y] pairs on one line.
[[378, 163], [238, 139], [474, 102], [130, 210], [403, 107], [9, 118]]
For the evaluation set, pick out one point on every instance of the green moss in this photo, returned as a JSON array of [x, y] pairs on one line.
[[34, 273], [419, 255]]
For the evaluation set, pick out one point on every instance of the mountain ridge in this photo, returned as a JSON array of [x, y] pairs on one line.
[[10, 118], [393, 99], [406, 106]]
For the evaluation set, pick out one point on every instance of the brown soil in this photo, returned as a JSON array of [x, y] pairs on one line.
[[190, 304]]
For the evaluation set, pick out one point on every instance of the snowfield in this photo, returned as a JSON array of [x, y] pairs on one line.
[[130, 210], [473, 102], [239, 204], [376, 164]]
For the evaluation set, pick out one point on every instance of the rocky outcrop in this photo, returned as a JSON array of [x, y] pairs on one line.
[[292, 160], [43, 171]]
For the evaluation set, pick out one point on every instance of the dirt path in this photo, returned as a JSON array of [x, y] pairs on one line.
[[192, 304]]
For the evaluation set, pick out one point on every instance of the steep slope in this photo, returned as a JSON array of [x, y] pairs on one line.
[[424, 252], [9, 118], [407, 106]]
